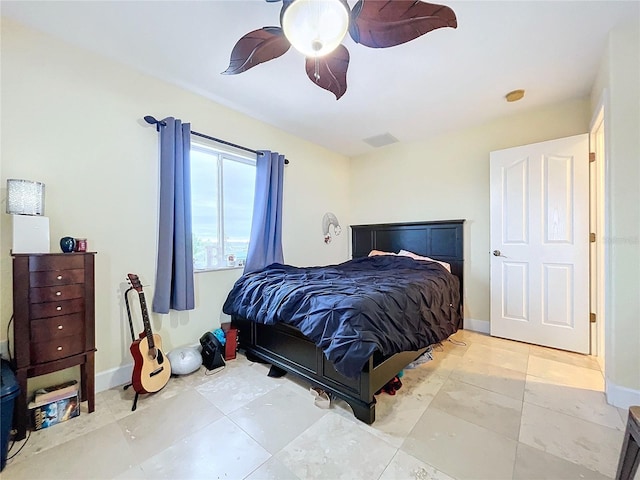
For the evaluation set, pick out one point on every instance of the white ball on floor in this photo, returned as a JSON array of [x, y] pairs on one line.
[[184, 360]]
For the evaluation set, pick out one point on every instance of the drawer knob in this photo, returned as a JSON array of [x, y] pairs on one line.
[[58, 308], [59, 327], [59, 277], [58, 294], [59, 349]]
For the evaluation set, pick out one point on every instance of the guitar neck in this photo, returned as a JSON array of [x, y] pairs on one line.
[[145, 320]]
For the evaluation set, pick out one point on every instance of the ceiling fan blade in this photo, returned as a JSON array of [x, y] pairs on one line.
[[255, 48], [382, 24], [330, 72]]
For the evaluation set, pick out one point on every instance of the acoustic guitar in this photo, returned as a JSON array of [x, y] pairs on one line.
[[151, 368]]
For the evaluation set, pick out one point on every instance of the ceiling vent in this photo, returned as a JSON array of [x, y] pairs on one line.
[[381, 140]]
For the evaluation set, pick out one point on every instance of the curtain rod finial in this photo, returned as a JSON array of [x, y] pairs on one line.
[[151, 120]]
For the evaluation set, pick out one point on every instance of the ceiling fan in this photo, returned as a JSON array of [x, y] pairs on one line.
[[316, 28]]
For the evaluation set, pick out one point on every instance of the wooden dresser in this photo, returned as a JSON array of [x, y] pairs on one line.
[[54, 322]]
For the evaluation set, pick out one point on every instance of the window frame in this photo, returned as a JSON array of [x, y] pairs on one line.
[[221, 154]]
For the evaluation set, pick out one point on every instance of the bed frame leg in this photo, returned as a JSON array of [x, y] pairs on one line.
[[365, 412], [276, 372], [252, 358]]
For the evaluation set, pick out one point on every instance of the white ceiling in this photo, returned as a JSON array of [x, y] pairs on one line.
[[445, 80]]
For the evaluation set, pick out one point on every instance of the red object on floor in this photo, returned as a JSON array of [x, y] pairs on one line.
[[231, 345]]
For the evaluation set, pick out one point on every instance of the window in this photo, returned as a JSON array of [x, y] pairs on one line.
[[222, 190]]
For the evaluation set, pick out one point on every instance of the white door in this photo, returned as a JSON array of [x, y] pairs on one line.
[[540, 243]]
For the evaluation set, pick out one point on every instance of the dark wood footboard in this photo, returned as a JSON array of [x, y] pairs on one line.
[[287, 348]]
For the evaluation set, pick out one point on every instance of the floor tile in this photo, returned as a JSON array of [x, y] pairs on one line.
[[397, 414], [498, 357], [272, 469], [220, 450], [86, 422], [577, 359], [583, 403], [333, 448], [158, 426], [459, 448], [133, 473], [120, 400], [464, 404], [102, 453], [624, 415], [578, 441], [406, 467], [535, 464], [277, 417], [484, 339], [566, 374], [230, 390], [454, 345], [488, 409], [490, 377], [442, 365]]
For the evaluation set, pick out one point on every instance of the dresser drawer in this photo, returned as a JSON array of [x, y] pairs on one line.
[[54, 349], [52, 309], [56, 277], [53, 294], [54, 328], [38, 263]]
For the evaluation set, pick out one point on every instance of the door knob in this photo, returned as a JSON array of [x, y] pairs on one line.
[[498, 253]]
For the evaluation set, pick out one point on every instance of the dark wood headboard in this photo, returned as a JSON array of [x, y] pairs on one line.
[[441, 240]]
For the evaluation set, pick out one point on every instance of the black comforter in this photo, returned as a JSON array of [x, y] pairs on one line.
[[385, 303]]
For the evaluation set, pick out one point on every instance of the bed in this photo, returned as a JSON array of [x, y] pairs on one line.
[[287, 349]]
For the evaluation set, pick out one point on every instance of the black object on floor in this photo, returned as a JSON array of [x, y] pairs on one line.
[[212, 351], [276, 372], [252, 358], [9, 390]]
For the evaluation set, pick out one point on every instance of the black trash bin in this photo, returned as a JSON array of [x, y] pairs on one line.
[[9, 390]]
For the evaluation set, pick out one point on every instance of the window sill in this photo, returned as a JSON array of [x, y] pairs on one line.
[[217, 269]]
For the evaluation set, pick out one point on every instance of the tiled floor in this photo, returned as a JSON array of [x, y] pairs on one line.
[[487, 408]]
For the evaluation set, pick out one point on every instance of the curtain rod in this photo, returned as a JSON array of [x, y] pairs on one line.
[[160, 123]]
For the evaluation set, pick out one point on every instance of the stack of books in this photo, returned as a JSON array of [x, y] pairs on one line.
[[55, 404]]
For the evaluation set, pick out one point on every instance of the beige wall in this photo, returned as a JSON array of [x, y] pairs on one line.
[[448, 178], [72, 120], [618, 87]]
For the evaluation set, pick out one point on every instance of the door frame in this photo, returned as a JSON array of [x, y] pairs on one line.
[[598, 255]]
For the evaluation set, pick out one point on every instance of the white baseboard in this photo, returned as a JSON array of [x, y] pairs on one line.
[[113, 377], [621, 397], [481, 326], [117, 376]]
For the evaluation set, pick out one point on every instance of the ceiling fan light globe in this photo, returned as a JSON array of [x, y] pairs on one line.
[[315, 27]]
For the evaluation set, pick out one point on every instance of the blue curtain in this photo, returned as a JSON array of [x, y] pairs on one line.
[[265, 243], [174, 274]]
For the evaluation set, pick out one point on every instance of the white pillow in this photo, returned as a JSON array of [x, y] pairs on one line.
[[406, 253]]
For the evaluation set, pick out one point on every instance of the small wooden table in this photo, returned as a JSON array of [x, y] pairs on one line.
[[630, 454]]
